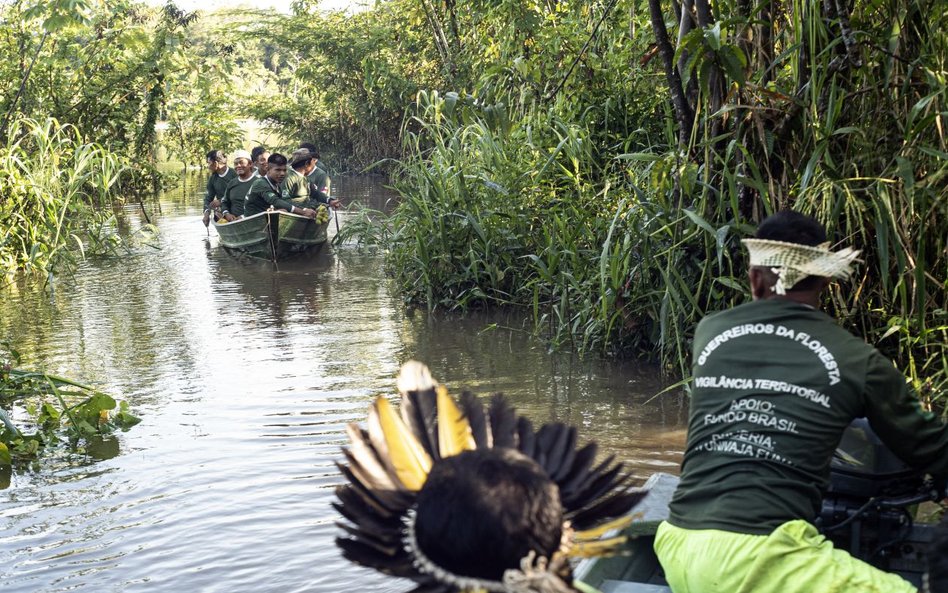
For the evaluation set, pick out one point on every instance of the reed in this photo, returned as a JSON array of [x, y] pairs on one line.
[[56, 193]]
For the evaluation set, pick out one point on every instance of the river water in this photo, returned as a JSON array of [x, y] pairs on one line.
[[245, 374]]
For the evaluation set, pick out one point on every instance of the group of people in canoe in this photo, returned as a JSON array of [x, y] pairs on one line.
[[457, 498], [260, 181]]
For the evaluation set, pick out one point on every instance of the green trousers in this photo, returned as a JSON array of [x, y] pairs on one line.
[[794, 558]]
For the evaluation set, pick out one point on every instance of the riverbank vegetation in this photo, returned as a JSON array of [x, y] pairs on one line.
[[593, 163], [614, 211], [41, 412]]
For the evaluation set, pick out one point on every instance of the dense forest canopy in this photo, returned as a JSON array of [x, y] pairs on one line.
[[593, 162]]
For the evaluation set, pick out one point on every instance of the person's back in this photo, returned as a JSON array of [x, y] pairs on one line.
[[775, 384]]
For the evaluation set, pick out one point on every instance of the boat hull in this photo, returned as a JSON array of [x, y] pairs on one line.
[[640, 571], [272, 235]]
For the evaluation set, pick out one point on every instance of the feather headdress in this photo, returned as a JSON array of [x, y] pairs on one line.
[[389, 463]]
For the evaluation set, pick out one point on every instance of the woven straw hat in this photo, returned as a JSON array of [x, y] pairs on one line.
[[793, 262]]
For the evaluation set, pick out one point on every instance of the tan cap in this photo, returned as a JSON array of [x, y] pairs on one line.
[[300, 155], [241, 154]]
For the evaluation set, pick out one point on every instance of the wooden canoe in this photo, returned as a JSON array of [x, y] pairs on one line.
[[273, 235]]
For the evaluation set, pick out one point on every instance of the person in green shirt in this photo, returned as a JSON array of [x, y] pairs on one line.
[[295, 186], [217, 182], [259, 156], [265, 192], [775, 384], [320, 182], [232, 204]]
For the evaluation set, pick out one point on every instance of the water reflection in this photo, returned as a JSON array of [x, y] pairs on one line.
[[245, 375]]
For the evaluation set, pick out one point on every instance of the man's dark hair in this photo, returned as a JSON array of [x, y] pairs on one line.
[[256, 152], [277, 159], [217, 155], [481, 512], [311, 148], [792, 227]]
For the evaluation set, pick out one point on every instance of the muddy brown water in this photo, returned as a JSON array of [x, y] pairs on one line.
[[245, 375]]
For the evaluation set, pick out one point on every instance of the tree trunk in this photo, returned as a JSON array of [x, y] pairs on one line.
[[684, 114]]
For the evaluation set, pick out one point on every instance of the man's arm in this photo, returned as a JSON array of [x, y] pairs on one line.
[[209, 193], [274, 199], [917, 436]]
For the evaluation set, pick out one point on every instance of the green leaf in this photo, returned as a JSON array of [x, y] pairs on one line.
[[640, 156], [5, 458], [699, 221], [846, 130], [712, 35], [734, 62]]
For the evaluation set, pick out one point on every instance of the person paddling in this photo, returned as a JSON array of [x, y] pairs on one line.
[[217, 182]]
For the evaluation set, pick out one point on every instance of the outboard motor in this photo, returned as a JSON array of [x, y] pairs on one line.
[[870, 505]]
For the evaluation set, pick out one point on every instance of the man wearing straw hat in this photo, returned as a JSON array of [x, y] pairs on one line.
[[776, 382]]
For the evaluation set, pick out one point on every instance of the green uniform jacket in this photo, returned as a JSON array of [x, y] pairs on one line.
[[295, 187], [236, 194], [320, 178], [319, 185], [775, 385], [263, 194], [217, 185]]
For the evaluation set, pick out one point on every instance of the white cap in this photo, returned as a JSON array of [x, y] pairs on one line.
[[241, 154]]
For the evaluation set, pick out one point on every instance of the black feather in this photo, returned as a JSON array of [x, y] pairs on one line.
[[356, 551], [582, 462], [526, 437], [473, 410], [367, 519], [387, 545], [557, 441], [420, 411], [368, 478], [612, 506], [568, 457], [600, 484], [386, 504], [503, 422]]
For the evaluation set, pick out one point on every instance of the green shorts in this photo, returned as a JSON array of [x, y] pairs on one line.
[[794, 558]]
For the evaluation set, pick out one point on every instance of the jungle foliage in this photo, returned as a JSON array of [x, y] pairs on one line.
[[562, 176], [81, 100], [594, 162]]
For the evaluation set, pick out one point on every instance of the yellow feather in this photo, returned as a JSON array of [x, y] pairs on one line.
[[597, 532], [454, 432], [602, 547], [405, 454]]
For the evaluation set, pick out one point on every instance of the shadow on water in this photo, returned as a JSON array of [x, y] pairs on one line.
[[245, 374]]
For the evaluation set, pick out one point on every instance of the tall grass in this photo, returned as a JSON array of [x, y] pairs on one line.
[[622, 247], [56, 192], [840, 116]]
